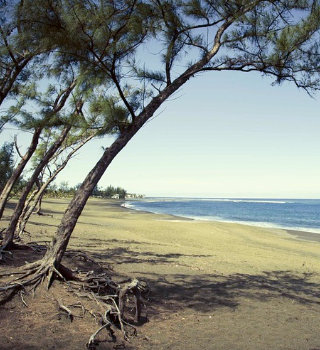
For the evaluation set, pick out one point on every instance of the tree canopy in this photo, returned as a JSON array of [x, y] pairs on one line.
[[118, 62]]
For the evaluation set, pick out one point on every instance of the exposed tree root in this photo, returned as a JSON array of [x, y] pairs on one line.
[[18, 238], [66, 310], [22, 293], [33, 274], [116, 300]]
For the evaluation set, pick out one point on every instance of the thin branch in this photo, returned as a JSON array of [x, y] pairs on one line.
[[125, 101], [8, 47], [16, 146]]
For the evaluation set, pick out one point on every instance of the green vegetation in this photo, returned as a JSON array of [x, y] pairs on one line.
[[6, 163], [72, 70], [64, 190]]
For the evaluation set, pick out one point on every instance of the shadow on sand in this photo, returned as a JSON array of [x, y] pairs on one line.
[[197, 291], [203, 291]]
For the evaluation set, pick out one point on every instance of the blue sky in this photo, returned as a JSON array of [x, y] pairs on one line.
[[223, 134]]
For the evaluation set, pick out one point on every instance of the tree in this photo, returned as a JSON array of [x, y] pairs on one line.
[[49, 116], [6, 163], [36, 198], [96, 191], [13, 57], [22, 49], [15, 173], [9, 233], [110, 191], [276, 38], [121, 192]]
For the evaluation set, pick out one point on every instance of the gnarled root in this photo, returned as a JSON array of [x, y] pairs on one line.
[[137, 289], [112, 297], [32, 275]]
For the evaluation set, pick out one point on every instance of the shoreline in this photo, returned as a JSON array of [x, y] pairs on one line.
[[293, 232], [304, 235], [243, 286]]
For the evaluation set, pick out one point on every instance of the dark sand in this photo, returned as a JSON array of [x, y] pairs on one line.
[[214, 286]]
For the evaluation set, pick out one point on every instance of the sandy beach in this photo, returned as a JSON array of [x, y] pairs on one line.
[[213, 285]]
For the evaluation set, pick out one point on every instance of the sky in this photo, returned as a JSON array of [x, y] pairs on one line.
[[225, 134]]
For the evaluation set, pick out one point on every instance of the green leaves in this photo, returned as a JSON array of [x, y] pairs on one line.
[[6, 163], [124, 54], [108, 115]]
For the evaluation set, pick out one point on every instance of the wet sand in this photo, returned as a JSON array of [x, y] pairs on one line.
[[308, 236]]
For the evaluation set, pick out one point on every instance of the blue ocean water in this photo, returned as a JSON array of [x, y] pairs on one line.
[[296, 214]]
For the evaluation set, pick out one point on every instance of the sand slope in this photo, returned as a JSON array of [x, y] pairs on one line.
[[214, 285]]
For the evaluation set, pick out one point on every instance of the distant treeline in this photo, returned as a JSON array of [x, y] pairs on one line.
[[54, 190], [64, 190]]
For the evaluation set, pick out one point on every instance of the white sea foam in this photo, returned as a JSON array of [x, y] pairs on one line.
[[233, 200], [254, 223], [128, 205], [248, 201], [219, 219]]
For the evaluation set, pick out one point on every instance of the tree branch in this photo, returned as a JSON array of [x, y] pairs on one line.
[[125, 101], [16, 146]]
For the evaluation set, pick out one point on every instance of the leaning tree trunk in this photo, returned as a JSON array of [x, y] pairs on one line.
[[58, 105], [60, 242], [9, 233], [29, 208], [18, 170], [10, 77], [59, 245], [38, 204]]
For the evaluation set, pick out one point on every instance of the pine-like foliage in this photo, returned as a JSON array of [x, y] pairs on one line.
[[6, 163]]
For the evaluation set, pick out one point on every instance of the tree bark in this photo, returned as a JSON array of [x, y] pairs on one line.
[[11, 76], [78, 202], [28, 210], [9, 233], [58, 105], [71, 215], [18, 170], [59, 244]]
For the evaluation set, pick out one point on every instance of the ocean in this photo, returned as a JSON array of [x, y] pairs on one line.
[[293, 214]]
